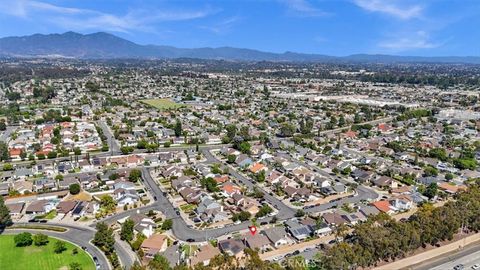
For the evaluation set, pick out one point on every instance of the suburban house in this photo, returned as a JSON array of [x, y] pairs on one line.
[[232, 247], [204, 254], [277, 235], [154, 244]]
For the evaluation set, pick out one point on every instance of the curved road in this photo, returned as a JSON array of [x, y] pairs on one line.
[[80, 236]]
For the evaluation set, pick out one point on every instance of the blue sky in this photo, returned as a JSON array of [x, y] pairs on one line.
[[333, 27]]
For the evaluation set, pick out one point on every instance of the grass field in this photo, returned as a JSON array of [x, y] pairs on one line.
[[33, 257], [162, 103]]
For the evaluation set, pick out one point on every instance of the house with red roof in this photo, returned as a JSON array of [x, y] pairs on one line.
[[258, 167], [228, 189], [384, 206], [350, 134]]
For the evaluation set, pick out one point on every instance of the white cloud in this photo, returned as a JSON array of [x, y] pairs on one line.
[[87, 19], [417, 40], [391, 7], [303, 8], [222, 26]]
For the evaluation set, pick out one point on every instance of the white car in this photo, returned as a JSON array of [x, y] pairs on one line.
[[476, 266]]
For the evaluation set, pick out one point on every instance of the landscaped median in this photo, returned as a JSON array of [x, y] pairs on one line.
[[37, 227], [27, 252]]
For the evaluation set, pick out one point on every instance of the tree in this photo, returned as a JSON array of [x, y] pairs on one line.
[[357, 119], [210, 184], [138, 241], [77, 151], [231, 131], [52, 154], [242, 216], [260, 177], [264, 210], [430, 171], [126, 232], [244, 147], [431, 190], [59, 247], [439, 153], [159, 263], [167, 224], [300, 213], [231, 158], [40, 239], [108, 203], [245, 133], [341, 121], [126, 150], [114, 260], [7, 167], [5, 219], [287, 130], [135, 175], [23, 239], [104, 238], [178, 128], [4, 153], [306, 125], [75, 266], [74, 188]]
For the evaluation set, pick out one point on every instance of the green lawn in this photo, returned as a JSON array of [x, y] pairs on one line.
[[50, 215], [33, 257], [187, 208], [162, 103]]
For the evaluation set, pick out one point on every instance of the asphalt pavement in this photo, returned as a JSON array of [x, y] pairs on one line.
[[467, 256], [112, 142], [6, 133]]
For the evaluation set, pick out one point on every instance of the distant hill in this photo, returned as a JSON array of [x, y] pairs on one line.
[[107, 46]]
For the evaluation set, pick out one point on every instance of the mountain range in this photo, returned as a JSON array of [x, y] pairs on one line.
[[103, 45]]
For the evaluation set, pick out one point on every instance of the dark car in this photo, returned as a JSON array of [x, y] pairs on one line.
[[154, 198], [190, 240]]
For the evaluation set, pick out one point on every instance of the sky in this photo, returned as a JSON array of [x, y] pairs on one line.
[[331, 27]]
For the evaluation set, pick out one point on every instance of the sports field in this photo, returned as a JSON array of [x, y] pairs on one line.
[[162, 103], [43, 257]]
